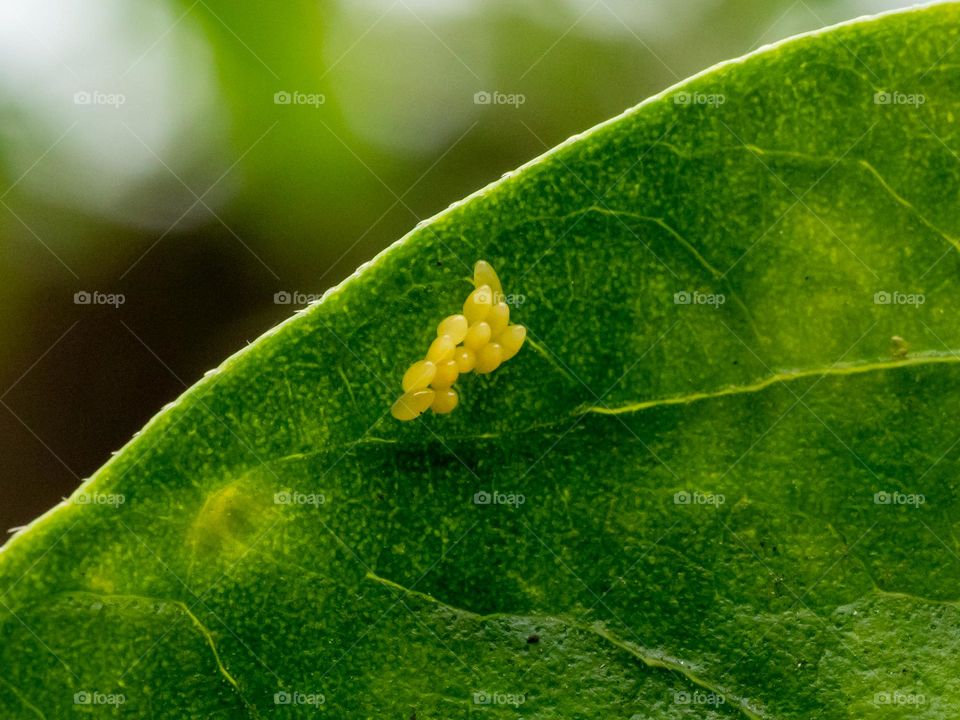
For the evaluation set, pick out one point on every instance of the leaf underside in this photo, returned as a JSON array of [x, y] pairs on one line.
[[683, 518]]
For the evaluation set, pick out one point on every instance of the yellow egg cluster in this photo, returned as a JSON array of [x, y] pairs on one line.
[[480, 339]]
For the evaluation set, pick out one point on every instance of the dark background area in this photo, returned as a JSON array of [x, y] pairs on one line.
[[143, 154]]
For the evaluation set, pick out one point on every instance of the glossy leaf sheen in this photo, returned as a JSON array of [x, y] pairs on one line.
[[281, 532]]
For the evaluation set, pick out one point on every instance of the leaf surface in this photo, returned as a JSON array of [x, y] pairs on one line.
[[711, 485]]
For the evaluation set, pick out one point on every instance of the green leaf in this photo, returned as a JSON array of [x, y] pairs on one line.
[[743, 505]]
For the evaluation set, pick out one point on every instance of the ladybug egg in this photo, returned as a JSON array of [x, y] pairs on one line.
[[484, 274], [478, 304], [447, 374], [412, 404], [445, 401], [477, 336], [511, 340], [498, 318], [489, 358], [455, 327], [465, 359], [419, 375], [441, 349]]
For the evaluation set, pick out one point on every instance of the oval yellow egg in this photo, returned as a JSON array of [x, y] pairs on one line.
[[419, 375], [441, 349], [511, 340], [489, 358], [412, 404], [465, 359], [498, 319], [477, 336], [484, 274], [445, 401], [478, 303], [447, 374], [455, 327]]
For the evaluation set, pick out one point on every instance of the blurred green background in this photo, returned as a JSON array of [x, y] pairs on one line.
[[179, 164]]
